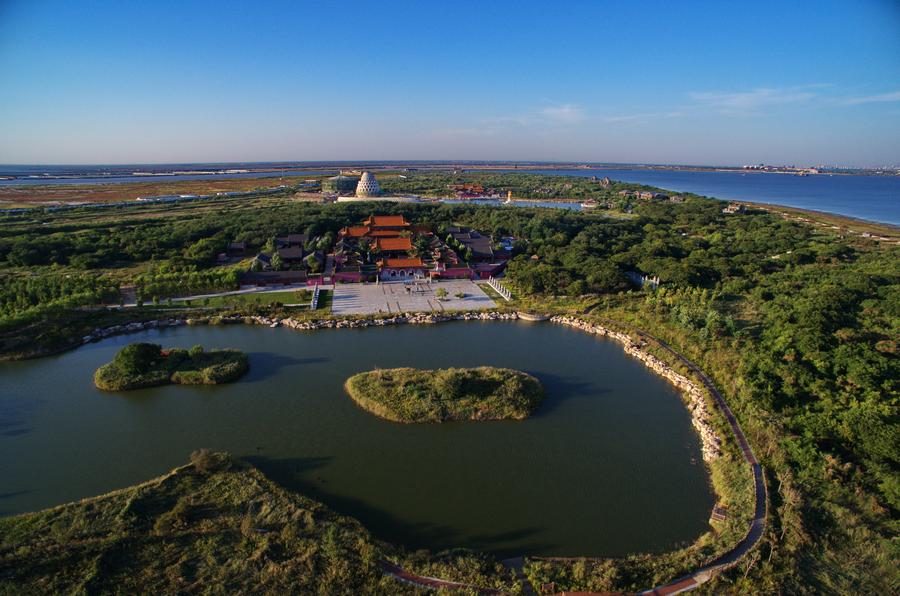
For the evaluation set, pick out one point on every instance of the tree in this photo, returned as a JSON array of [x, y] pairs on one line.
[[277, 262], [203, 251], [313, 263], [137, 358], [441, 293]]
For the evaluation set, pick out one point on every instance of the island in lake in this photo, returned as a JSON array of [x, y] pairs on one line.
[[415, 395], [148, 365]]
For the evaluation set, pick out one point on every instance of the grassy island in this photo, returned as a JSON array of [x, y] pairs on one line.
[[413, 395], [147, 365]]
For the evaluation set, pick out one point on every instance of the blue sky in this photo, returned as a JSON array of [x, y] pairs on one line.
[[720, 82]]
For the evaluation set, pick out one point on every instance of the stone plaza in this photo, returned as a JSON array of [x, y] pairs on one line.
[[406, 297]]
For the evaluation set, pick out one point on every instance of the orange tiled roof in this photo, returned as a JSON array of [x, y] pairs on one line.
[[386, 220], [410, 262], [357, 231], [384, 233], [393, 243]]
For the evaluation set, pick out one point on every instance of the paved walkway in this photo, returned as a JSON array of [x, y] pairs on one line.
[[698, 577], [396, 297], [251, 290]]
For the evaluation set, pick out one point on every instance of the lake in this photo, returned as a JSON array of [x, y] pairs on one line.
[[608, 465], [875, 198]]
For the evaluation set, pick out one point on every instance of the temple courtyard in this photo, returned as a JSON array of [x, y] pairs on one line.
[[397, 297]]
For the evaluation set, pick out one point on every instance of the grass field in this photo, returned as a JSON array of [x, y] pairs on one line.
[[298, 297], [52, 194]]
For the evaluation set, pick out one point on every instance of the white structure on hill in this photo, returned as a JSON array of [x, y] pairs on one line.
[[368, 186]]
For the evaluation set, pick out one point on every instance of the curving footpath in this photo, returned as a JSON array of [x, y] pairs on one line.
[[757, 525], [432, 583], [681, 584]]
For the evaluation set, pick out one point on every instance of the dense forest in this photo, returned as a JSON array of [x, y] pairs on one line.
[[797, 324]]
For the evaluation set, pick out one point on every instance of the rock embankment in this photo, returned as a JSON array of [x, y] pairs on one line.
[[104, 332], [412, 319], [694, 396]]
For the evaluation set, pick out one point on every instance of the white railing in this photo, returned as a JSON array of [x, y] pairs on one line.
[[314, 301], [499, 288]]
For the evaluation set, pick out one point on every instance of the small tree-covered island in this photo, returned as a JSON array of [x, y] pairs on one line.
[[414, 395], [140, 365]]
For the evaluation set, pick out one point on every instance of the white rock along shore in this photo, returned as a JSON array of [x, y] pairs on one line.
[[694, 396]]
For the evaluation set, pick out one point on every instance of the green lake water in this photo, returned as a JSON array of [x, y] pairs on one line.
[[608, 465]]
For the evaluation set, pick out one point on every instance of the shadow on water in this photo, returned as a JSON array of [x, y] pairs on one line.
[[15, 432], [559, 389], [298, 475], [12, 495], [266, 364], [13, 417]]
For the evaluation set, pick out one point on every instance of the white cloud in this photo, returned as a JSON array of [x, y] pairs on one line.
[[751, 101], [563, 113], [641, 118], [566, 113], [880, 98], [465, 132]]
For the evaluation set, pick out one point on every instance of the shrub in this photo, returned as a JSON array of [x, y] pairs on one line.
[[203, 460]]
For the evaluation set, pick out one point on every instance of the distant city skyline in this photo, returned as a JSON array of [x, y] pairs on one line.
[[705, 83]]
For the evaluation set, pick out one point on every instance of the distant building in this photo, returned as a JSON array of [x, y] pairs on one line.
[[291, 240], [472, 188], [676, 199], [734, 208], [402, 268], [396, 223], [479, 245], [290, 254], [340, 184], [393, 245], [626, 193], [368, 186], [261, 262], [653, 196]]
